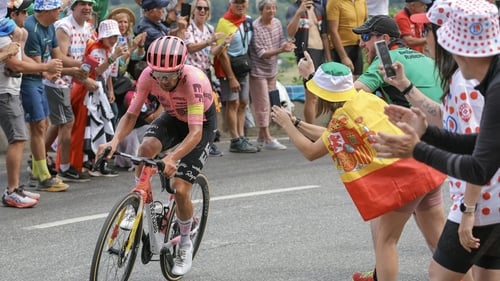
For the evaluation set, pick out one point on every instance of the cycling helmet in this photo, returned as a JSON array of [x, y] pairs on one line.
[[167, 54]]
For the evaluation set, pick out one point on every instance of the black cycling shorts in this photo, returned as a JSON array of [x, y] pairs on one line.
[[170, 131], [451, 255]]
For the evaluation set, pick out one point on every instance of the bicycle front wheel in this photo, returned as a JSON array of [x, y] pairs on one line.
[[200, 198], [118, 242]]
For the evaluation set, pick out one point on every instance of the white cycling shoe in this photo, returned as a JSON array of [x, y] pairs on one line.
[[183, 260]]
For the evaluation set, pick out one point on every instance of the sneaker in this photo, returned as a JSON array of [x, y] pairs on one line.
[[51, 185], [242, 145], [104, 171], [128, 219], [17, 199], [72, 175], [363, 276], [183, 260], [214, 151], [247, 140], [274, 144], [29, 194]]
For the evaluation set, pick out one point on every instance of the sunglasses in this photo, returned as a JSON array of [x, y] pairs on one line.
[[164, 75], [367, 36], [200, 8]]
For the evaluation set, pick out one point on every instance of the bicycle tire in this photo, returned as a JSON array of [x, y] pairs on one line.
[[108, 263], [200, 196]]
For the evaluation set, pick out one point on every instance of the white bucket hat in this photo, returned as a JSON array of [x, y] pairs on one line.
[[472, 29], [332, 82], [108, 28]]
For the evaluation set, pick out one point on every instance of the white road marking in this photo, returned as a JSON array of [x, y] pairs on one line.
[[227, 197]]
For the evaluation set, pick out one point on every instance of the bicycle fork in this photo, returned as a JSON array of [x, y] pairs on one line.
[[124, 253]]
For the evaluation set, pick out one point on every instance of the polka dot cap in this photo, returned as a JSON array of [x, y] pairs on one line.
[[472, 29]]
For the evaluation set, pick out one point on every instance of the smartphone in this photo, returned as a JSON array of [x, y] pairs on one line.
[[274, 98], [385, 58], [186, 10]]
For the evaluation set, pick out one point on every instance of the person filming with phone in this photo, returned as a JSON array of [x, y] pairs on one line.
[[418, 67]]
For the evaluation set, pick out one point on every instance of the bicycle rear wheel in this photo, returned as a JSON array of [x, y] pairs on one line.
[[118, 242], [200, 197]]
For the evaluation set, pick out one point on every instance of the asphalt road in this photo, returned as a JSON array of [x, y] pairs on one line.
[[273, 216]]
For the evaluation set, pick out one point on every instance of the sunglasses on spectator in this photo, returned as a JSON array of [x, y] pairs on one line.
[[158, 75], [200, 8], [367, 36]]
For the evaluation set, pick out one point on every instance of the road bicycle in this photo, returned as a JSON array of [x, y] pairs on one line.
[[138, 217]]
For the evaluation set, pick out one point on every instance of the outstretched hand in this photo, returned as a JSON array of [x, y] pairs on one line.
[[412, 116], [397, 146]]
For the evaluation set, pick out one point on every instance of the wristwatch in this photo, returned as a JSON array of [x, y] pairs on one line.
[[464, 208]]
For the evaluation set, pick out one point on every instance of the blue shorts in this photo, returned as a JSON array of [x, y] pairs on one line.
[[35, 104]]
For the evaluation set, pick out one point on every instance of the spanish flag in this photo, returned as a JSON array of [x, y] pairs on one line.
[[376, 185]]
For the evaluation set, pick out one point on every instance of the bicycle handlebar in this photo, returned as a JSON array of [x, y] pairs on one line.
[[158, 163]]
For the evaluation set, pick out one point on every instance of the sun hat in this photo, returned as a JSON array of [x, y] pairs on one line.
[[108, 28], [7, 26], [437, 14], [472, 29], [73, 2], [332, 82], [19, 5], [46, 5], [127, 11], [382, 24]]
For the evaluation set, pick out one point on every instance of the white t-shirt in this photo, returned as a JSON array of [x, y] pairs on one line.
[[11, 85], [79, 35]]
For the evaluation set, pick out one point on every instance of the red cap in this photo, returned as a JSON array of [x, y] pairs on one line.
[[420, 18]]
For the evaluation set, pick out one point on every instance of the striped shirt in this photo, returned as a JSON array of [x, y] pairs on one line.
[[265, 38]]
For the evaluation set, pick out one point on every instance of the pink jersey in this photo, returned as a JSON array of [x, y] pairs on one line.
[[187, 102]]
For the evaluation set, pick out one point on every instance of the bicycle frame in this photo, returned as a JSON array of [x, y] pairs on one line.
[[124, 228]]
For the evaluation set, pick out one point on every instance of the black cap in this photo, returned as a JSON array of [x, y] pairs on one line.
[[19, 6], [382, 24]]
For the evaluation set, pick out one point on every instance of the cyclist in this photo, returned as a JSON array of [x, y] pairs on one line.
[[189, 121]]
